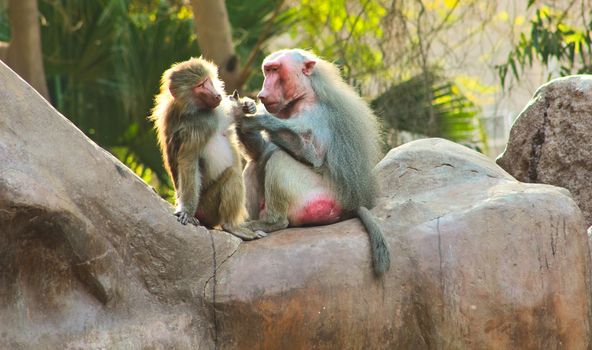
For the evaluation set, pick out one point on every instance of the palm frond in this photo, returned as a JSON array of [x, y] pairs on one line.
[[429, 105]]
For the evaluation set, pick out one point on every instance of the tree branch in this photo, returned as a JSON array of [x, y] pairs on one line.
[[214, 36], [246, 71], [24, 54], [4, 46]]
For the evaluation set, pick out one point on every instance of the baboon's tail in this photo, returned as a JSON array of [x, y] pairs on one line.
[[381, 259]]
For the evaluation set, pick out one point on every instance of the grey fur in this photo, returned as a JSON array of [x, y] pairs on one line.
[[338, 138], [381, 260]]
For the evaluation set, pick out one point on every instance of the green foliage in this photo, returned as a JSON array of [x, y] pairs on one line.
[[551, 37], [104, 58], [80, 41], [253, 23], [347, 32], [4, 26], [384, 47], [103, 62], [429, 105], [155, 39]]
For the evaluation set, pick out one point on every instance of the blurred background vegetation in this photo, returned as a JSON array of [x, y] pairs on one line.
[[99, 62]]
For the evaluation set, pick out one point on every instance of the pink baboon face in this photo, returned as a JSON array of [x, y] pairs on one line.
[[206, 95], [285, 81]]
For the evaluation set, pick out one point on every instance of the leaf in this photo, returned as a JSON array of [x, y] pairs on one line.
[[513, 66], [428, 105]]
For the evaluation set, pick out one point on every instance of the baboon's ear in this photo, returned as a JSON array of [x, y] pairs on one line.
[[235, 95], [172, 92], [308, 67]]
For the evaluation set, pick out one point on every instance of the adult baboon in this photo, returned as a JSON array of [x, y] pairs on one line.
[[315, 164]]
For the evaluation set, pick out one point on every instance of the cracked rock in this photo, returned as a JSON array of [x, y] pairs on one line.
[[550, 140]]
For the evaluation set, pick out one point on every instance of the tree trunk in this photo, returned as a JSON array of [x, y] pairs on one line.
[[3, 50], [214, 36], [24, 54]]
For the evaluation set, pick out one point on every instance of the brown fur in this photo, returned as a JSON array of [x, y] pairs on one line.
[[198, 150]]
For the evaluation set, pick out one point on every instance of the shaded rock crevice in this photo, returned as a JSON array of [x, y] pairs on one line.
[[441, 260], [90, 258], [214, 282], [537, 142]]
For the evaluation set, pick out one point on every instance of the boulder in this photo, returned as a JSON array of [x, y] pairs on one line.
[[92, 258], [479, 261], [550, 140]]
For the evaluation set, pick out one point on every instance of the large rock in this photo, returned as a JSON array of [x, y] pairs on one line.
[[479, 261], [550, 140], [91, 258]]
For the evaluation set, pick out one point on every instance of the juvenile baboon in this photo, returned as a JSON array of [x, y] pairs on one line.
[[192, 117], [315, 164]]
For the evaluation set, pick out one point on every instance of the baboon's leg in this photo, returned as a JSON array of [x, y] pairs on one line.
[[231, 208]]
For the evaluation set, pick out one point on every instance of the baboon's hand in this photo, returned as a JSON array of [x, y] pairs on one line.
[[241, 106], [249, 106], [184, 218], [235, 105]]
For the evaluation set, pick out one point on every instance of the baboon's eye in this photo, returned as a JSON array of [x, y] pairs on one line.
[[202, 83], [271, 68]]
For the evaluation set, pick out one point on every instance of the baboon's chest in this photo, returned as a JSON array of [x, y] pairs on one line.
[[217, 155]]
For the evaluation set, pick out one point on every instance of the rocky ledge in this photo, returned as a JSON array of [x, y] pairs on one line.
[[92, 258]]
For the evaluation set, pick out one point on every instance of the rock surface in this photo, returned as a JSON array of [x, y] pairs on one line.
[[91, 258], [550, 140], [479, 261]]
